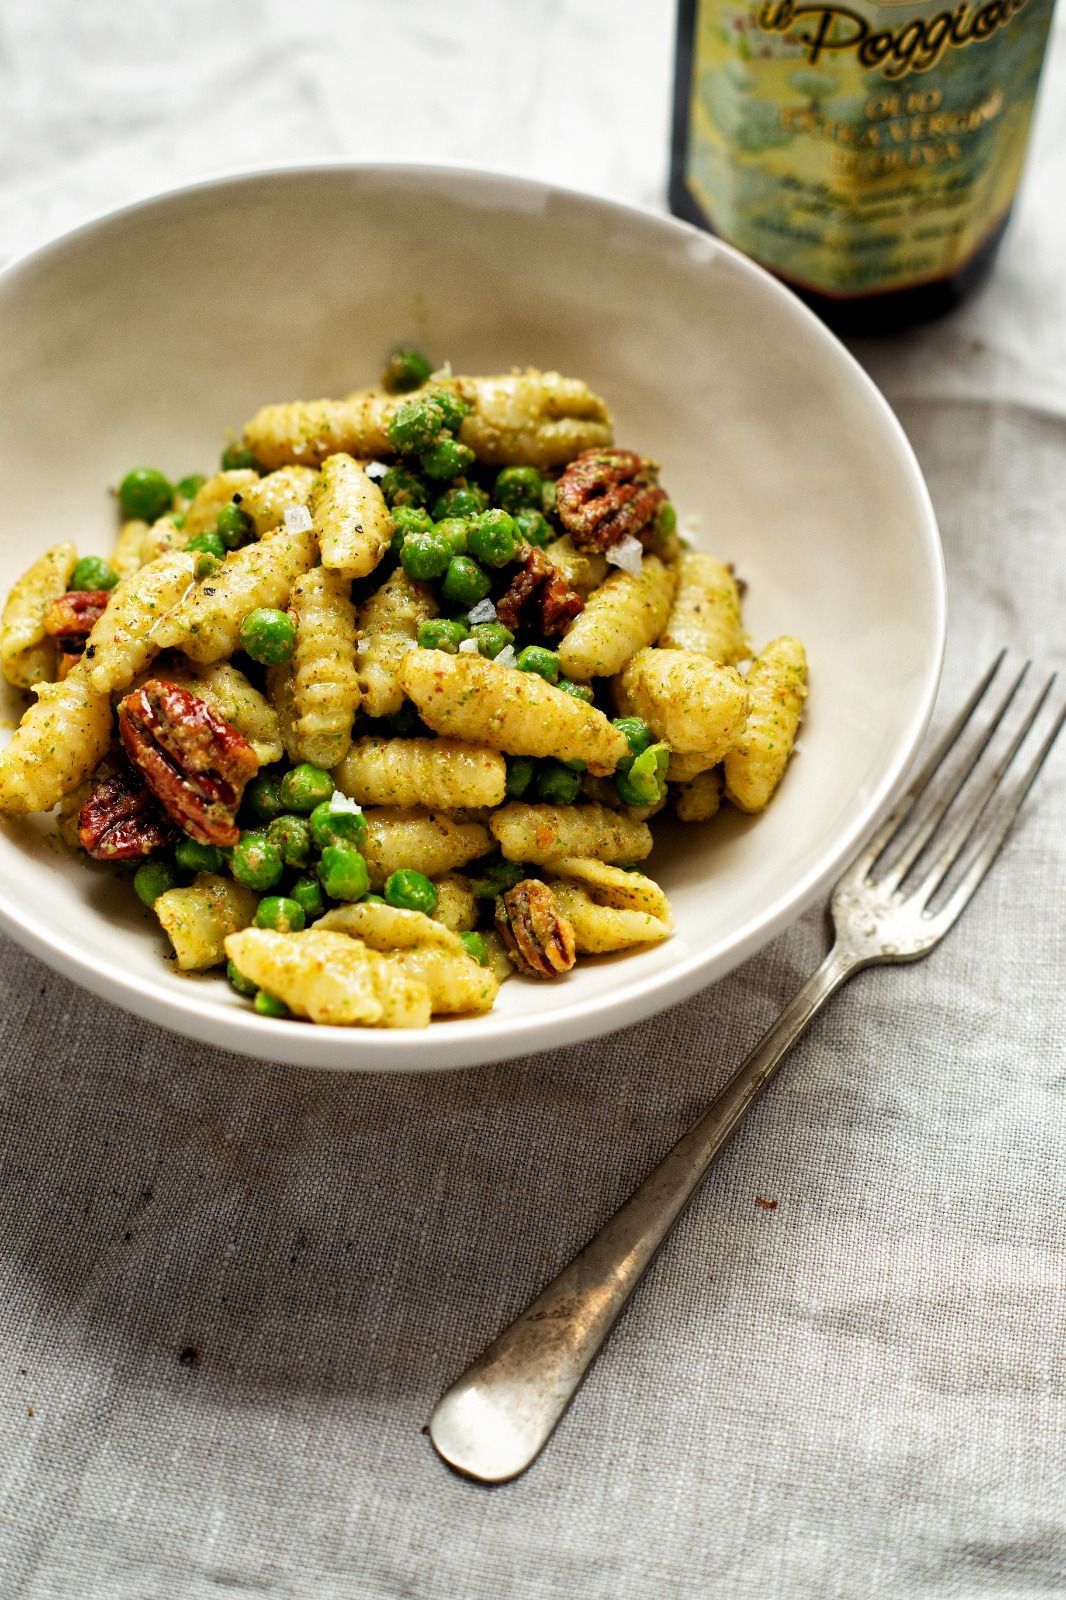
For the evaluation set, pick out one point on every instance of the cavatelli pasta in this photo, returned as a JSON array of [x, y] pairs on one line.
[[227, 691], [611, 886], [428, 841], [693, 704], [777, 687], [211, 496], [446, 774], [544, 833], [59, 741], [465, 697], [331, 978], [456, 906], [388, 628], [584, 570], [121, 642], [385, 927], [624, 614], [267, 499], [456, 983], [700, 798], [325, 688], [351, 518], [198, 917], [126, 552], [279, 687], [207, 622], [705, 615], [601, 928], [27, 654]]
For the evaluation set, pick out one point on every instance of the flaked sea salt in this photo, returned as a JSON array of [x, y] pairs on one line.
[[297, 519], [376, 469], [441, 372], [628, 554], [468, 647], [342, 802], [484, 611], [505, 657]]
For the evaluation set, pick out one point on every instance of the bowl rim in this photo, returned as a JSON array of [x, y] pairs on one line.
[[468, 1042]]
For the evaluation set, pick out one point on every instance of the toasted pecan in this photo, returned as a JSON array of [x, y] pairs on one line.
[[608, 495], [539, 939], [121, 821]]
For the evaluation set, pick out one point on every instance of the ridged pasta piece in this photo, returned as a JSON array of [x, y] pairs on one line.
[[165, 534], [126, 552], [385, 927], [466, 697], [388, 628], [279, 688], [683, 768], [624, 614], [695, 705], [27, 654], [325, 688], [268, 498], [611, 886], [331, 978], [121, 642], [61, 738], [198, 918], [545, 833], [456, 983], [705, 615], [227, 691], [211, 496], [584, 570], [700, 798], [537, 419], [445, 774], [599, 929], [456, 906], [426, 840], [777, 687], [351, 518], [207, 622]]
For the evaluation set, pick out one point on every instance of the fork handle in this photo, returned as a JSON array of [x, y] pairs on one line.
[[495, 1420]]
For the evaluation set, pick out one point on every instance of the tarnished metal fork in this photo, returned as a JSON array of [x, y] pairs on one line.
[[496, 1419]]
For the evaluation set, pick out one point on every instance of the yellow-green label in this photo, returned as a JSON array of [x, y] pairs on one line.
[[856, 148]]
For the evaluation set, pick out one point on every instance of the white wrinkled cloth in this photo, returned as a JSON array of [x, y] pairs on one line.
[[230, 1292]]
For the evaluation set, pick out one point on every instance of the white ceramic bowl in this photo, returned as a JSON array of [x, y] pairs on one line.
[[145, 336]]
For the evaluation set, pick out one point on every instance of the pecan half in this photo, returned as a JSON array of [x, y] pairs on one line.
[[121, 821], [537, 580], [538, 937], [73, 616], [193, 761], [607, 495]]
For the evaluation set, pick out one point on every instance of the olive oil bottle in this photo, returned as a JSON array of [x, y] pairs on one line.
[[866, 151]]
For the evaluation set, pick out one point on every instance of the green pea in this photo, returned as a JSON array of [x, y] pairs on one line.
[[416, 425], [280, 914], [233, 526], [548, 497], [535, 658], [262, 799], [456, 530], [411, 891], [407, 724], [644, 783], [342, 872], [638, 737], [425, 555], [237, 457], [153, 879], [534, 527], [256, 861], [557, 785], [451, 408], [292, 835], [145, 493], [268, 1005], [461, 500], [497, 876], [406, 369], [190, 487], [236, 977], [210, 543], [401, 487], [374, 900], [337, 825], [520, 770], [492, 637], [92, 573], [268, 636], [178, 518], [442, 634], [465, 583], [580, 691], [304, 787], [206, 566], [447, 458], [475, 947], [493, 538], [407, 520], [518, 487], [192, 856], [307, 892], [666, 519]]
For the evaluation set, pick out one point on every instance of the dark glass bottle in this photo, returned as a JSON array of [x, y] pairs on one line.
[[867, 152]]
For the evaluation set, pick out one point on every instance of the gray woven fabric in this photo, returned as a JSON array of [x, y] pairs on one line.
[[230, 1292]]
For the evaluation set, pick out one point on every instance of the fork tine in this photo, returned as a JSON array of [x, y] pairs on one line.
[[940, 921], [902, 809], [924, 831]]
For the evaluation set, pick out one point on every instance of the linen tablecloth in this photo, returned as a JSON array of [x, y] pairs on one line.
[[232, 1291]]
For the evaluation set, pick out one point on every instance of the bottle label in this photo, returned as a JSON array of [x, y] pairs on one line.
[[854, 148]]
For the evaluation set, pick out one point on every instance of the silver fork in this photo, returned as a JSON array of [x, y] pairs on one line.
[[493, 1423]]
